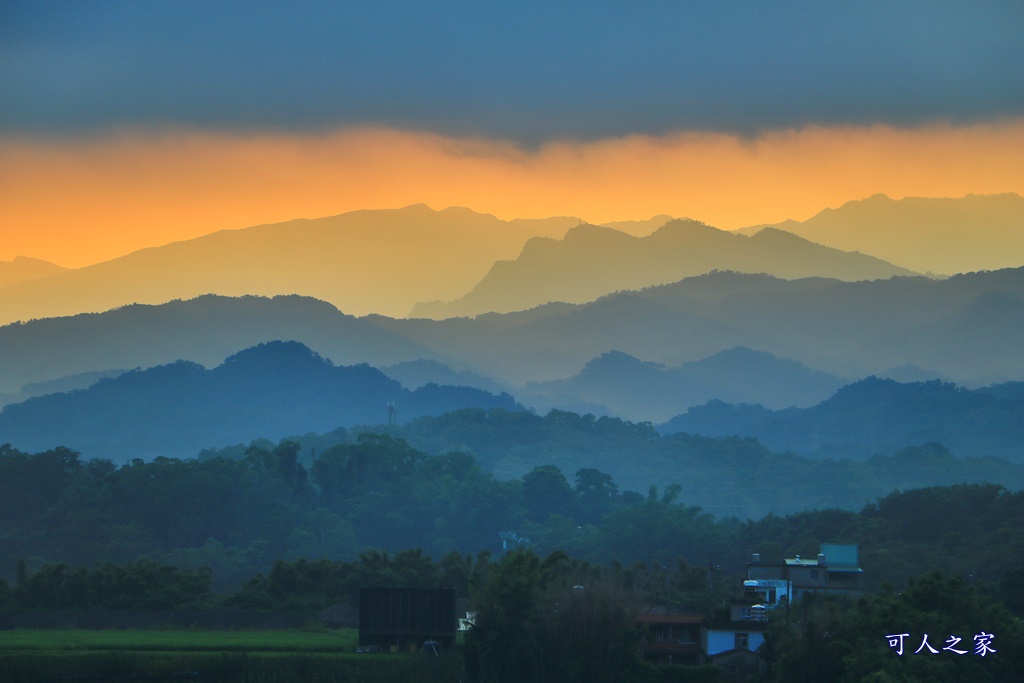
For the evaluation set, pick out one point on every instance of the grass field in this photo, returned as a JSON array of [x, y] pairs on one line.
[[342, 641], [223, 656]]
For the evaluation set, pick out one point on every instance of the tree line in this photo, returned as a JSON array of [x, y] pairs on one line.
[[238, 517]]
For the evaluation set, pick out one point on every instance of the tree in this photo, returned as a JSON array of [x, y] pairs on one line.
[[554, 620], [597, 493], [546, 492]]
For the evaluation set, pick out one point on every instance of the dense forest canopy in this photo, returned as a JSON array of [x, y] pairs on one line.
[[237, 516]]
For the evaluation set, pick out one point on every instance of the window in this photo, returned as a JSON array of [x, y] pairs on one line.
[[742, 641]]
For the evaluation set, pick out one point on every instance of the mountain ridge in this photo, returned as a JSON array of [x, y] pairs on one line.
[[23, 268], [849, 329], [271, 390], [368, 261], [592, 261], [644, 391], [942, 235], [872, 415]]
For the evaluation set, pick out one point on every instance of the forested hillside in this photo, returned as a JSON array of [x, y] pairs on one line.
[[238, 515]]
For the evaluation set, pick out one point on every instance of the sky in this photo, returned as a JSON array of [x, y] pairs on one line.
[[132, 124]]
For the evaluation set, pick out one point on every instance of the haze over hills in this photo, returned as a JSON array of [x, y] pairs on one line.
[[362, 261], [272, 390], [642, 227], [938, 235], [61, 384], [849, 329], [388, 261], [417, 373], [205, 330], [23, 268], [641, 391], [591, 261], [875, 416]]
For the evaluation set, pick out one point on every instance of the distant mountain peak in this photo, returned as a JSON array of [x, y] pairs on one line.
[[418, 207], [771, 232], [945, 235], [589, 231], [278, 352], [616, 360], [743, 352], [687, 228], [23, 260], [640, 227], [592, 261], [23, 268], [460, 211]]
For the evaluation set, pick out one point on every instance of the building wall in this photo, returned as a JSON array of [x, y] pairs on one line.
[[723, 641], [808, 578], [766, 571]]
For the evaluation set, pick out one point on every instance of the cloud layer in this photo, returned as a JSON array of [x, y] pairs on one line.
[[525, 71], [78, 202]]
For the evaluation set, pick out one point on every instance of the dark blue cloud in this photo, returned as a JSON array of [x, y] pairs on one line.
[[527, 71]]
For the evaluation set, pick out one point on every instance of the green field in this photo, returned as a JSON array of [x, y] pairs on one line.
[[277, 642], [228, 656]]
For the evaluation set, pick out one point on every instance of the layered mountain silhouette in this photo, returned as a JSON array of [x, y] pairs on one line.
[[877, 416], [642, 227], [965, 328], [362, 261], [204, 330], [642, 391], [937, 235], [55, 386], [592, 261], [23, 268], [417, 373], [386, 261], [272, 390]]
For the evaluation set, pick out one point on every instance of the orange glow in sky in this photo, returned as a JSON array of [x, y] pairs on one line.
[[77, 202]]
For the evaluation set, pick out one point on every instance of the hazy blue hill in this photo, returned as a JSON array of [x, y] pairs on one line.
[[68, 383], [591, 261], [416, 373], [616, 382], [965, 328], [877, 416], [981, 334], [908, 373], [271, 390], [646, 391], [205, 330], [851, 329], [758, 377]]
